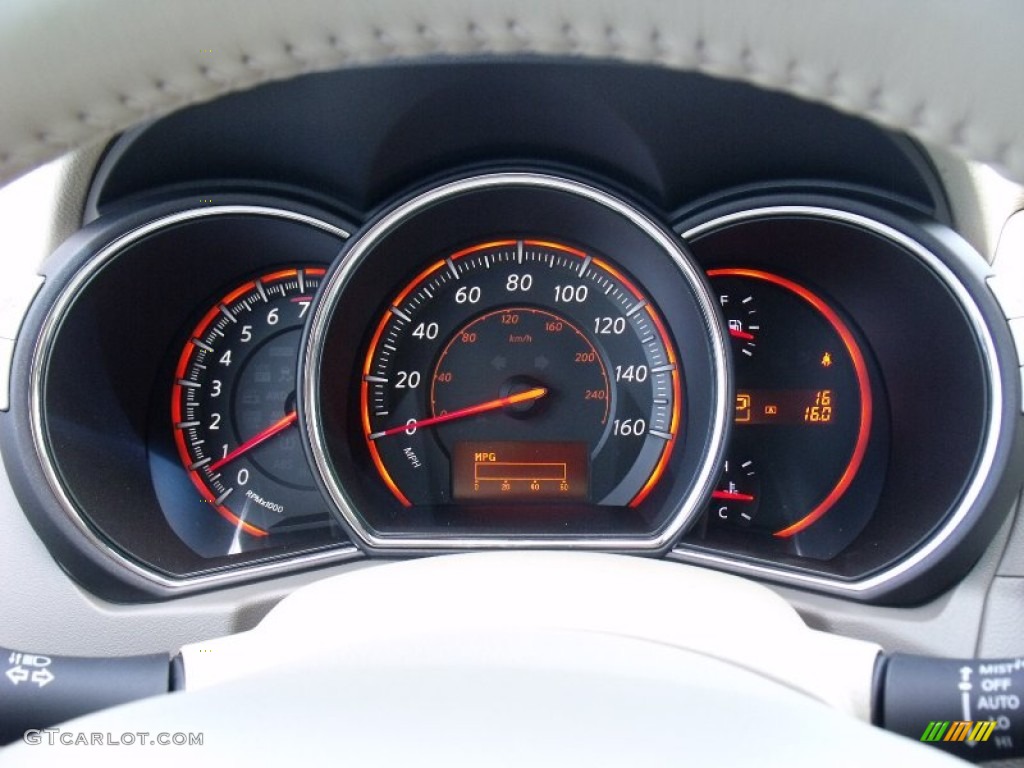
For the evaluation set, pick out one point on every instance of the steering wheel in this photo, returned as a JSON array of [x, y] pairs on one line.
[[502, 658]]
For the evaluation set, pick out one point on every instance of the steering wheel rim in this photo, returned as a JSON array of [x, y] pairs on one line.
[[513, 658]]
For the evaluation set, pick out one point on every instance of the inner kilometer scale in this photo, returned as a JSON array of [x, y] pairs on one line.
[[233, 407], [520, 370]]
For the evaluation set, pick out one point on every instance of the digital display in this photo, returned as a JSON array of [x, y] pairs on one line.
[[520, 471], [785, 406]]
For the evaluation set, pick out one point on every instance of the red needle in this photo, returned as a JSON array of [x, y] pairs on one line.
[[741, 335], [491, 405], [731, 496], [255, 440]]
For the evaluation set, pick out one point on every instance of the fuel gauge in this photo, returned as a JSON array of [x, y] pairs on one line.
[[741, 317]]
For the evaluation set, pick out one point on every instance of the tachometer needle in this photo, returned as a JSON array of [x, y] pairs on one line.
[[736, 334], [252, 442], [731, 496], [491, 405]]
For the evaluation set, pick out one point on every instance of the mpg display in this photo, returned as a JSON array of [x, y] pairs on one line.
[[524, 471]]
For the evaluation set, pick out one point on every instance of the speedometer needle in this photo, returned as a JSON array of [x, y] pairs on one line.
[[256, 439], [491, 405]]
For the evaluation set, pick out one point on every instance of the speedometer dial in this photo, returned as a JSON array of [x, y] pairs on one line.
[[544, 366], [520, 370]]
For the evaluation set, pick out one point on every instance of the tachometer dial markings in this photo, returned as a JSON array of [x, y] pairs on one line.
[[257, 439], [236, 375]]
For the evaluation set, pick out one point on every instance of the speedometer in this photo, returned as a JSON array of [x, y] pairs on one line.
[[544, 364], [520, 369]]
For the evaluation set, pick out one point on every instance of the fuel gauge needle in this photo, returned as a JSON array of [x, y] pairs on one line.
[[252, 442], [491, 405], [736, 334]]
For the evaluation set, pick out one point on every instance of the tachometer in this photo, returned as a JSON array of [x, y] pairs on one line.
[[544, 365], [233, 407], [540, 346]]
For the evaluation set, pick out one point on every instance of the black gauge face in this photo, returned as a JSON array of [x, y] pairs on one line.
[[521, 371], [233, 409], [803, 409]]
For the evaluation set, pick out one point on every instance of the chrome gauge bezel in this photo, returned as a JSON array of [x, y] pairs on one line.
[[101, 250], [312, 418], [962, 272]]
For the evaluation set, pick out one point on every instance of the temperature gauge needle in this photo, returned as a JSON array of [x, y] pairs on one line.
[[491, 405], [252, 442], [741, 335], [731, 496]]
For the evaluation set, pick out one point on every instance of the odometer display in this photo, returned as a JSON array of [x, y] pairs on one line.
[[521, 342]]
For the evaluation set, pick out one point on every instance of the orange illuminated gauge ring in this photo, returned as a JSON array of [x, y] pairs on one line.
[[863, 384], [197, 470], [581, 262]]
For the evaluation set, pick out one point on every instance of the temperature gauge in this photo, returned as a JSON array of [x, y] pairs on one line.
[[738, 495]]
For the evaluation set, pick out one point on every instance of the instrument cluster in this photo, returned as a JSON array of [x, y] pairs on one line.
[[800, 387]]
